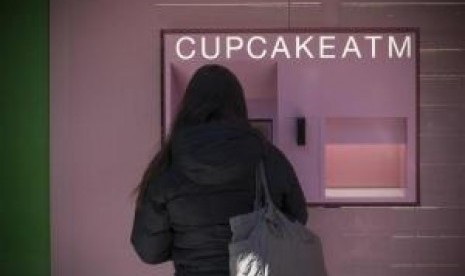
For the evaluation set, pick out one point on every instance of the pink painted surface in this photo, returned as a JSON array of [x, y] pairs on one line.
[[104, 116], [365, 152], [364, 165]]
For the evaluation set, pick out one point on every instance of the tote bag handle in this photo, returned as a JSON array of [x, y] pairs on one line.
[[261, 185]]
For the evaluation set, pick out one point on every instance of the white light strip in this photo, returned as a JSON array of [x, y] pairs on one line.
[[425, 265], [397, 236], [442, 49], [250, 4], [441, 164], [364, 192], [244, 4], [439, 76], [364, 207], [445, 105], [428, 237], [428, 207], [384, 4], [306, 3], [410, 208], [444, 134]]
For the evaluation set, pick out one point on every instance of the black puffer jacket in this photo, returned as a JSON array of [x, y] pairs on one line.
[[185, 215]]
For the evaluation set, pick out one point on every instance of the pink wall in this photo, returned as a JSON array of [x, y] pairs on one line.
[[105, 81], [104, 128]]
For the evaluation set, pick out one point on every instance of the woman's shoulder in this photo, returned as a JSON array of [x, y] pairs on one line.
[[275, 156], [278, 166], [161, 187]]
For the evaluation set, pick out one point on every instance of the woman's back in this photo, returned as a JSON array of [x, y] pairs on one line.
[[211, 178]]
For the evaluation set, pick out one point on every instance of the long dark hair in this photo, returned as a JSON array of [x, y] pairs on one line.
[[213, 94]]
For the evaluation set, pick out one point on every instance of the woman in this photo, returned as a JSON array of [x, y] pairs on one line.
[[203, 175]]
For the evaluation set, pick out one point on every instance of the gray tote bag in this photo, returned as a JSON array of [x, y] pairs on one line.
[[266, 243]]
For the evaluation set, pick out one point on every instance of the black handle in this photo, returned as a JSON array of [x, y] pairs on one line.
[[300, 137]]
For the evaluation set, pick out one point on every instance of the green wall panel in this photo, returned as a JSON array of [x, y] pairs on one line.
[[24, 138]]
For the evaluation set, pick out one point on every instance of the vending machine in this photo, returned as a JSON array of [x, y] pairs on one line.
[[342, 104]]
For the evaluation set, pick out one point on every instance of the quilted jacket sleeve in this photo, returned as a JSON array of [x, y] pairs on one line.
[[283, 174], [151, 235], [294, 199]]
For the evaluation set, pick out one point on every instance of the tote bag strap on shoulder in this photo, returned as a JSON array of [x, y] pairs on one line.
[[262, 188]]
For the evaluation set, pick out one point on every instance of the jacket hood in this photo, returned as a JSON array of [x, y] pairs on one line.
[[216, 152]]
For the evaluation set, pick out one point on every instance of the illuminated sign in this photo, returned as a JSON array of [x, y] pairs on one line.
[[293, 47]]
